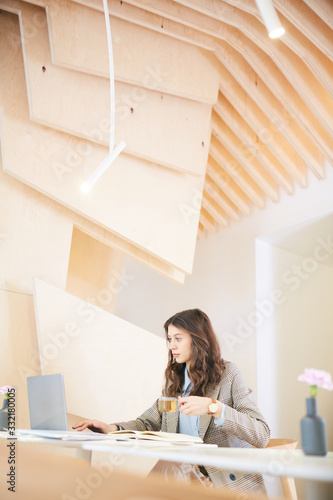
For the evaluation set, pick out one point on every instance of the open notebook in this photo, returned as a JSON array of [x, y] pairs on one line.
[[171, 437]]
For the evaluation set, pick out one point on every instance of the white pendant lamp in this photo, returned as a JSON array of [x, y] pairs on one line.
[[270, 18]]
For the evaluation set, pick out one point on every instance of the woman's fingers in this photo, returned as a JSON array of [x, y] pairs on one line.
[[93, 425]]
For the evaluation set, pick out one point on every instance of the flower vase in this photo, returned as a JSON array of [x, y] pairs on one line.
[[313, 430], [4, 416]]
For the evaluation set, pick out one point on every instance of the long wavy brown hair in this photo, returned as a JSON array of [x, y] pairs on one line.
[[206, 364]]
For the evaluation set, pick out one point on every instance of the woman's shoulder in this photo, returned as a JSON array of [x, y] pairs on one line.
[[230, 369]]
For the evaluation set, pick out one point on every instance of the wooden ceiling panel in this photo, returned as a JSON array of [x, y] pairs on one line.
[[271, 105]]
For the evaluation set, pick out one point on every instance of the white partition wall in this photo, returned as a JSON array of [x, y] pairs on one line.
[[112, 369]]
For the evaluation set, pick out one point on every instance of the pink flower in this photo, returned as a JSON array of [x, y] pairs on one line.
[[5, 389], [319, 378]]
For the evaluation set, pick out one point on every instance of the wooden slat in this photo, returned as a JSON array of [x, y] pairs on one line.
[[225, 185], [201, 231], [279, 140], [280, 111], [214, 209], [236, 172], [207, 221], [244, 157], [283, 136], [238, 17], [301, 15], [317, 118], [221, 198], [254, 144], [307, 24], [323, 9]]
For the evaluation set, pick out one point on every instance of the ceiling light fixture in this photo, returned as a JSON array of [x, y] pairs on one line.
[[113, 151], [270, 18]]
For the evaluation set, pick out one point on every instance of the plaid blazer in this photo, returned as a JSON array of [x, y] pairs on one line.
[[244, 427]]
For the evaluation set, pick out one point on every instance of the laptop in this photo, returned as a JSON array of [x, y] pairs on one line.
[[48, 413], [47, 402]]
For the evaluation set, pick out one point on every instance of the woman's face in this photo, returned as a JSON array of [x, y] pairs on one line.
[[179, 343]]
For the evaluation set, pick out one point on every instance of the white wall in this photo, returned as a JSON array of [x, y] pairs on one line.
[[223, 282], [297, 335]]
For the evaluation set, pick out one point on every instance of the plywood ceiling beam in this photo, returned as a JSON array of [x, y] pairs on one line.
[[207, 221], [293, 42], [253, 143], [298, 13], [249, 56], [307, 23], [282, 111], [311, 58], [283, 140], [222, 156], [201, 232], [294, 70], [220, 198], [223, 185], [214, 209], [323, 9], [244, 157]]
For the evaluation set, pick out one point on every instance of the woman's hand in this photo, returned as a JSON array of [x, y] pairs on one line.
[[197, 405], [95, 426]]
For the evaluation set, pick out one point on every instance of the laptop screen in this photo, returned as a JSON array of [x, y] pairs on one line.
[[47, 402]]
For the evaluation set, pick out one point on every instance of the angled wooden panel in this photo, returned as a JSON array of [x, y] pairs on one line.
[[79, 104], [141, 57], [137, 200], [95, 271], [90, 347]]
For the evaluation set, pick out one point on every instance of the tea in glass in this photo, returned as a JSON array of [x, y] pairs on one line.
[[168, 404]]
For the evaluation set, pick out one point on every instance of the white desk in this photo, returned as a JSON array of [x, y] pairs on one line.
[[317, 471]]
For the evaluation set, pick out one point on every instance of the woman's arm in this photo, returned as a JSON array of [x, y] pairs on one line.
[[243, 419], [150, 420]]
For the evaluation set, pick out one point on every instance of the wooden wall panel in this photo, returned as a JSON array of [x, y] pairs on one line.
[[19, 355], [94, 271], [103, 358], [137, 200], [34, 238]]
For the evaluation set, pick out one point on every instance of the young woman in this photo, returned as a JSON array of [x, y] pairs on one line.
[[214, 402]]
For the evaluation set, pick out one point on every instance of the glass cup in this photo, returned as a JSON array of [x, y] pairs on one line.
[[168, 404]]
